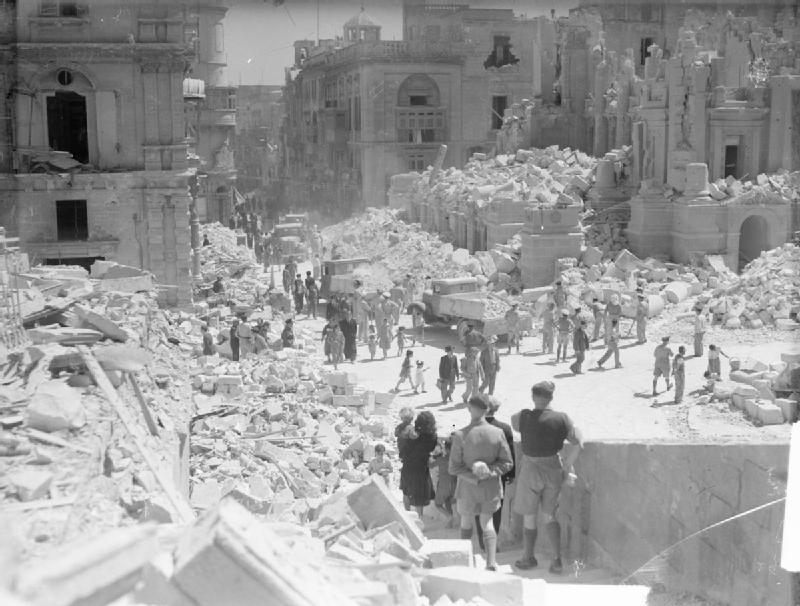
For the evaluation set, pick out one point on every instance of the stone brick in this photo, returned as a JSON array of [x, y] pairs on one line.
[[31, 484], [769, 414], [374, 506], [461, 582], [751, 408], [448, 552], [98, 322], [788, 408]]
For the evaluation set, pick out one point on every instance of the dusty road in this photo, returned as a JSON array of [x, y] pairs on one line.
[[610, 404]]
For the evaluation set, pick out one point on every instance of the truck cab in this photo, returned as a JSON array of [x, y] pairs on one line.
[[337, 276], [283, 230]]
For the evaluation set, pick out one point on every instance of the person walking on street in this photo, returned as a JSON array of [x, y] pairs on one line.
[[401, 339], [415, 475], [662, 355], [372, 341], [391, 309], [700, 326], [448, 374], [419, 377], [598, 312], [472, 371], [612, 347], [543, 471], [613, 312], [548, 328], [337, 346], [327, 338], [473, 338], [234, 339], [385, 337], [679, 372], [299, 293], [349, 328], [312, 294], [563, 326], [508, 477], [405, 372], [580, 343], [641, 321], [478, 458], [287, 279], [512, 322], [490, 361]]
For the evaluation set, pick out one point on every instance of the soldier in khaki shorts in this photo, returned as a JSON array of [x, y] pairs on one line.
[[542, 472], [478, 458]]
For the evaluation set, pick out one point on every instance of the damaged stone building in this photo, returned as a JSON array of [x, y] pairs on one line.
[[362, 109], [94, 163]]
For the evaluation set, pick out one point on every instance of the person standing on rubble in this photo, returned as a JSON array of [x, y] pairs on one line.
[[612, 347], [448, 374], [512, 323], [472, 371], [679, 372], [208, 341], [580, 343], [349, 328], [641, 321], [479, 457], [245, 334], [548, 328], [312, 294], [234, 340], [415, 475], [287, 335], [542, 471], [598, 312], [490, 361], [700, 327], [662, 355], [564, 324]]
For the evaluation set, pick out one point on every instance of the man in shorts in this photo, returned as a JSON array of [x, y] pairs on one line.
[[662, 355], [542, 471], [478, 458]]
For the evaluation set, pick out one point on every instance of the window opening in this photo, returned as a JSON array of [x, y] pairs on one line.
[[731, 161], [501, 53], [72, 222], [66, 125], [499, 105]]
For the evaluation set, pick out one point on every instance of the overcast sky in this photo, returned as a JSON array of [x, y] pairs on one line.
[[259, 35]]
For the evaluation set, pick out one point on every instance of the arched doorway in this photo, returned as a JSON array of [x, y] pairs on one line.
[[753, 238]]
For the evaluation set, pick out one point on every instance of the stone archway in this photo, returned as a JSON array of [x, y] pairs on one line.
[[753, 239]]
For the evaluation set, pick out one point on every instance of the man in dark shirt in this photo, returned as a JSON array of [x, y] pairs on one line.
[[542, 471], [580, 343], [448, 374], [234, 337], [508, 477]]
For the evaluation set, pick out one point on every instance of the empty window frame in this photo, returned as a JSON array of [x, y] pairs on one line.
[[499, 105], [72, 220]]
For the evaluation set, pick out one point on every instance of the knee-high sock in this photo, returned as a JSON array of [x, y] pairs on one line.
[[479, 532], [554, 532], [529, 536], [490, 540]]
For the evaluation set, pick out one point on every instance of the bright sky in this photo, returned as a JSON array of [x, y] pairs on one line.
[[259, 35]]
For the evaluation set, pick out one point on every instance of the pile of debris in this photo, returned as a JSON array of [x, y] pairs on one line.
[[606, 235], [226, 254], [782, 185]]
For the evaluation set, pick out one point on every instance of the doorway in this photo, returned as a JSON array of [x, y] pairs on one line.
[[731, 161], [753, 239], [66, 125]]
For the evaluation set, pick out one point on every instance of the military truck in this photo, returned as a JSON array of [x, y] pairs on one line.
[[459, 301], [291, 239], [337, 276]]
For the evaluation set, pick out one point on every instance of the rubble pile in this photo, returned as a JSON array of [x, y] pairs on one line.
[[604, 234], [782, 185], [227, 254]]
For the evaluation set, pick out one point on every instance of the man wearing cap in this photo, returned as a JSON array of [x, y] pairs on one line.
[[563, 325], [512, 322], [612, 346], [542, 471], [580, 343], [641, 320], [490, 361], [448, 374], [478, 458], [662, 355], [597, 314]]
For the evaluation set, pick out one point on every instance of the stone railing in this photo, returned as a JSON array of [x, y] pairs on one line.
[[401, 50]]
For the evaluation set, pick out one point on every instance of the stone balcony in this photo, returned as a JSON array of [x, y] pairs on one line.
[[382, 51]]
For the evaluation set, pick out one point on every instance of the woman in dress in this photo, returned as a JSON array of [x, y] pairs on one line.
[[415, 476]]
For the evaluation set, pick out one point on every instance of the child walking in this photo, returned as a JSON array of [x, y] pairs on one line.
[[419, 377], [405, 371], [385, 337], [337, 346], [679, 372], [372, 341], [401, 340]]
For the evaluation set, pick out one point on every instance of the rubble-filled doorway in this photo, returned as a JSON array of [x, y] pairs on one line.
[[753, 239], [66, 124]]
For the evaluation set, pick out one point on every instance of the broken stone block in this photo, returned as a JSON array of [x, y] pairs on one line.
[[769, 414], [764, 388], [64, 335], [373, 504], [788, 409], [448, 552], [386, 542], [715, 192], [31, 484], [786, 324], [125, 358], [400, 583], [676, 292], [228, 557], [98, 322], [464, 583], [206, 495], [751, 408], [55, 406], [723, 390]]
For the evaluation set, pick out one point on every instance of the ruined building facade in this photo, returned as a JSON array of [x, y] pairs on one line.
[[362, 109], [94, 162]]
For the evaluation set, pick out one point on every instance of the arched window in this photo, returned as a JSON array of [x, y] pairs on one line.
[[420, 119], [418, 89]]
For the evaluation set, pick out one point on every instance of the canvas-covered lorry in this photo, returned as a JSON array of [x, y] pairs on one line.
[[337, 276], [460, 301]]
